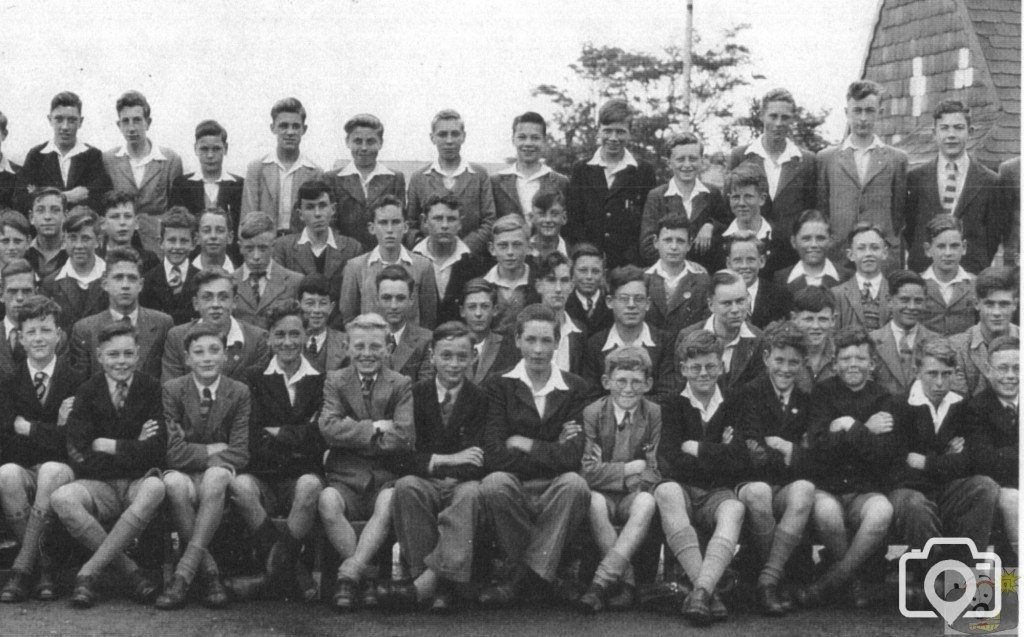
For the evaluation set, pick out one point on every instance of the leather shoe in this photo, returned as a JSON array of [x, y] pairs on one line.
[[280, 562], [442, 602], [505, 591], [769, 601], [718, 610], [398, 595], [859, 595], [214, 593], [84, 595], [305, 583], [594, 600], [143, 589], [663, 597], [16, 588], [46, 587], [696, 607], [786, 599], [174, 596], [345, 595], [624, 599], [811, 596], [369, 597]]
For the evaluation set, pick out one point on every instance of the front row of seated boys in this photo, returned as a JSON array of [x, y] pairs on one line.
[[522, 460]]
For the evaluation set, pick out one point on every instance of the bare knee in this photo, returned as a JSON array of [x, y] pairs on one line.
[[756, 495], [643, 505], [215, 481], [331, 505], [307, 490]]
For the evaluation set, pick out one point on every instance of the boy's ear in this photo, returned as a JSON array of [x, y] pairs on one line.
[[606, 382], [648, 383]]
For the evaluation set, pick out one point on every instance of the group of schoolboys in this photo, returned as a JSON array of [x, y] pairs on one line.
[[479, 359]]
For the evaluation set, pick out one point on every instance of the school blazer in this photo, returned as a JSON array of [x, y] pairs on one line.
[[759, 414], [281, 284], [498, 356], [600, 319], [189, 433], [359, 289], [958, 316], [412, 354], [663, 369], [292, 255], [972, 357], [297, 448], [469, 266], [8, 186], [153, 194], [42, 170], [253, 351], [506, 195], [75, 302], [187, 192], [158, 295], [993, 436], [261, 189], [772, 303], [915, 433], [979, 209], [602, 468], [850, 309], [746, 361], [476, 200], [334, 353], [688, 305], [45, 440], [354, 208], [718, 463], [707, 208], [880, 200], [151, 327], [889, 371]]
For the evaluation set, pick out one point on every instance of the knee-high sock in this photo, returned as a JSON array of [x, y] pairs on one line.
[[611, 568], [18, 522], [129, 527], [865, 542], [87, 531], [35, 531], [783, 544], [719, 553], [686, 547]]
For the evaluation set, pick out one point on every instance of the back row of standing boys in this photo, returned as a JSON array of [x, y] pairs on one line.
[[203, 374]]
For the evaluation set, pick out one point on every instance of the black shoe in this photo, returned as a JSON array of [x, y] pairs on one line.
[[718, 610], [786, 599], [665, 597], [174, 596], [812, 596], [769, 601], [398, 596], [442, 604], [594, 600], [214, 593], [143, 589], [46, 587], [696, 608], [625, 599], [505, 591], [305, 584], [84, 595], [16, 588], [346, 594], [859, 595], [280, 561], [369, 597]]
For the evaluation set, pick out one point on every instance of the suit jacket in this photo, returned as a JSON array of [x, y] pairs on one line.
[[608, 218], [993, 439], [94, 416], [262, 189], [688, 305], [359, 289], [707, 208], [772, 303], [979, 210], [951, 319], [880, 200], [476, 200], [281, 284], [469, 266], [889, 372], [608, 448], [8, 181], [149, 259], [189, 192], [412, 354], [43, 169], [75, 302], [781, 279], [601, 318], [45, 440], [1009, 177], [151, 326], [334, 353], [506, 195], [464, 430], [972, 357], [666, 380], [354, 208], [253, 351], [850, 309], [158, 295], [717, 463], [577, 350], [746, 362], [297, 448], [290, 254], [759, 414], [499, 354], [153, 194], [511, 411], [188, 433], [357, 450], [914, 432]]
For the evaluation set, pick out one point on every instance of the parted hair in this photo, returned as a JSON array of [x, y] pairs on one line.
[[937, 348], [698, 343], [854, 336], [396, 273], [199, 330], [536, 312], [283, 309], [783, 334], [37, 306], [453, 329], [115, 198], [110, 331], [178, 217], [633, 359], [254, 224]]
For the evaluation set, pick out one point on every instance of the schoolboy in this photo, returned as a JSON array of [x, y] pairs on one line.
[[813, 313], [678, 287], [511, 275], [15, 234], [949, 301], [997, 292], [587, 302], [895, 341], [19, 284], [8, 170], [261, 280], [211, 186], [453, 262], [495, 352], [120, 228], [408, 343], [78, 286], [170, 286], [745, 255], [553, 285], [516, 186], [746, 190], [325, 348], [546, 220], [812, 240], [47, 214], [863, 300], [217, 248]]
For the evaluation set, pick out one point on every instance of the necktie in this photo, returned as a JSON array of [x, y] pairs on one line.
[[446, 406], [120, 394], [254, 281], [625, 422], [15, 341], [40, 384], [949, 191], [866, 293], [206, 404], [782, 402], [367, 382], [311, 347], [1011, 411], [392, 343], [590, 306], [174, 281], [906, 353]]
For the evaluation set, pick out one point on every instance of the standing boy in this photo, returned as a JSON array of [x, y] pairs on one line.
[[998, 294], [211, 186], [745, 255], [121, 228], [496, 353], [326, 348], [408, 343], [78, 286], [949, 301], [8, 170], [528, 176], [863, 300], [46, 252], [587, 303], [895, 341]]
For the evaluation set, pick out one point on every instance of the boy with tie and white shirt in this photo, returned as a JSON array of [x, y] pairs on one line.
[[863, 300], [895, 341], [261, 280], [170, 286], [678, 287]]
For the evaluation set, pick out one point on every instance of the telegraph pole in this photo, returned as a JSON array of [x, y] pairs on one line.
[[687, 63]]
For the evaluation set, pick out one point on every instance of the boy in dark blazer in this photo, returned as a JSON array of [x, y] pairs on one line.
[[814, 314], [261, 280], [745, 255], [607, 193], [116, 440], [211, 186], [408, 343], [949, 292], [678, 287], [496, 353], [895, 341], [120, 229], [170, 287], [8, 170], [78, 286], [71, 166], [553, 285], [326, 348], [515, 186], [812, 239], [453, 262], [40, 394], [19, 284], [47, 213], [863, 300], [587, 303], [207, 417]]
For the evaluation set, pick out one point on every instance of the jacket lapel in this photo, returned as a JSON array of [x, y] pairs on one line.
[[788, 173], [490, 352], [508, 184], [273, 186], [354, 187], [620, 179], [878, 158], [972, 186], [351, 389], [403, 351], [849, 165], [304, 256], [524, 396], [659, 296], [889, 352]]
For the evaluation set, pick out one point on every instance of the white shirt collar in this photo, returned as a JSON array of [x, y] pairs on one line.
[[706, 413], [460, 249], [5, 165], [792, 151], [492, 278], [305, 369], [133, 316], [300, 162], [764, 233], [245, 273], [876, 283], [620, 413], [568, 325], [112, 384], [562, 247], [235, 333], [183, 267], [898, 332], [875, 143], [77, 149], [374, 257], [744, 332], [213, 387], [698, 188], [962, 164], [917, 398], [798, 271], [48, 370], [583, 298], [659, 269], [442, 390], [224, 176], [68, 272], [304, 238], [9, 326], [627, 160], [398, 334], [463, 167], [961, 276], [614, 340], [378, 169], [555, 381], [153, 155], [227, 266], [752, 289], [513, 169]]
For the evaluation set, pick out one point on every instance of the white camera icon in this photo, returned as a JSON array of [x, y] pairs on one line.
[[980, 578]]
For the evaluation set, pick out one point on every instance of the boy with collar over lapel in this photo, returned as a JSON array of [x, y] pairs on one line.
[[140, 167], [516, 186], [512, 273], [553, 285], [359, 186], [957, 184], [8, 170], [791, 171], [895, 341], [46, 252], [745, 255], [746, 188], [116, 441], [408, 343], [211, 186], [261, 280], [170, 287], [217, 247], [678, 287], [812, 239], [120, 226], [78, 286], [272, 181], [587, 303], [863, 300], [72, 167], [997, 290], [450, 173], [813, 313], [122, 283], [453, 262], [326, 348], [533, 443], [496, 353], [606, 195], [685, 194], [934, 493], [40, 395], [949, 292]]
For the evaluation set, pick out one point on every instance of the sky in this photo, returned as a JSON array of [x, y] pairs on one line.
[[402, 60]]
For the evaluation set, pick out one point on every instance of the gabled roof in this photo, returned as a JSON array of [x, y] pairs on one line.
[[996, 25]]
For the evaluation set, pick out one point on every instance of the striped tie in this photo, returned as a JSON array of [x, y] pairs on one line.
[[949, 191], [40, 384], [206, 404]]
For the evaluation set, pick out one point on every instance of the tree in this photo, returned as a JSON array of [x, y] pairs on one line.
[[804, 130]]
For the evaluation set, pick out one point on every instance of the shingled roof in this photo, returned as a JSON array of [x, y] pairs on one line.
[[997, 27]]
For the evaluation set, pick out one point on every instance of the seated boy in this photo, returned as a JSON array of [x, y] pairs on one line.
[[949, 303], [116, 442], [39, 396], [678, 287], [701, 459], [367, 416], [170, 286], [120, 228], [620, 466], [325, 348], [997, 290], [207, 417], [811, 239], [78, 286], [261, 280], [47, 252], [546, 219], [863, 300]]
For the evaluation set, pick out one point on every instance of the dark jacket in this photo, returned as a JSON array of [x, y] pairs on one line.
[[297, 448], [915, 433], [993, 438], [45, 440], [759, 414], [717, 464]]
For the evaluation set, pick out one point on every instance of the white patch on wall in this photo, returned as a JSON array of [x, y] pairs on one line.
[[918, 86]]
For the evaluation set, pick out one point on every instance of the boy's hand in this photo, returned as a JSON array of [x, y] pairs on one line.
[[273, 431], [880, 423], [702, 242], [691, 447], [956, 445], [569, 431], [215, 448], [65, 411], [782, 445], [472, 455], [915, 461], [842, 423], [77, 194], [149, 429], [22, 427], [634, 467], [521, 443], [384, 426]]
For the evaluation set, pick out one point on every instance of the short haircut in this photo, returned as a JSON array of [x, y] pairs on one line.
[[864, 227], [447, 199], [722, 278], [14, 267], [15, 220], [673, 221], [585, 249], [777, 95], [813, 299], [132, 98], [698, 343], [631, 359], [383, 202], [446, 114], [209, 275], [614, 111], [811, 215], [746, 174], [946, 107], [862, 89], [508, 223], [315, 284], [1003, 343], [545, 199], [683, 139], [370, 322], [396, 273], [477, 286], [365, 120], [288, 105], [314, 189], [115, 198], [110, 331], [218, 211], [254, 224], [38, 306], [178, 217], [453, 329], [783, 334], [282, 309], [3, 123], [898, 278], [81, 218], [942, 223], [66, 98], [623, 275], [854, 336], [211, 128], [744, 236], [996, 278], [937, 348], [199, 330], [529, 117], [546, 266], [536, 312], [119, 255], [50, 191]]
